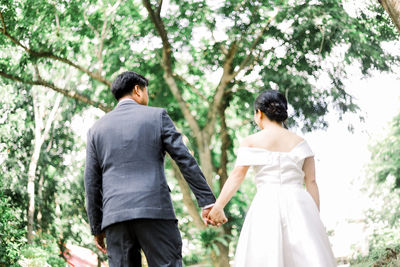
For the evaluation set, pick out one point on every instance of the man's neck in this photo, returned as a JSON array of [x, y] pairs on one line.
[[126, 97]]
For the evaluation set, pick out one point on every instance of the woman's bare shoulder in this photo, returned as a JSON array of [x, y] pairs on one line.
[[249, 140], [294, 137], [258, 139], [297, 139]]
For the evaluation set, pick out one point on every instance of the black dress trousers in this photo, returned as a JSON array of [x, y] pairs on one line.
[[159, 239]]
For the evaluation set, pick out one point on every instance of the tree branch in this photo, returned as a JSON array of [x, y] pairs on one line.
[[194, 89], [167, 66], [113, 8], [57, 20], [4, 29], [100, 49], [158, 23], [38, 76], [87, 22], [217, 100], [226, 142], [104, 33], [228, 76], [160, 2], [221, 46], [67, 93], [321, 28], [38, 119], [247, 59], [187, 199], [51, 118], [43, 54]]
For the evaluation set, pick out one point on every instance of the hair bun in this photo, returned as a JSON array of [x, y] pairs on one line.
[[276, 111], [273, 104]]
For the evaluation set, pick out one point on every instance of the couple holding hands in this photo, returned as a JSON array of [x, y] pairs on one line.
[[128, 199]]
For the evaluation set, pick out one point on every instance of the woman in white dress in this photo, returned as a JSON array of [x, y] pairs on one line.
[[282, 227]]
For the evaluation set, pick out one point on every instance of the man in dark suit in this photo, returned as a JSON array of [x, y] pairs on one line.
[[127, 197]]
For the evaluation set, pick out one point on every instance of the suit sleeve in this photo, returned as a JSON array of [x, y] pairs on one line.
[[173, 144], [93, 187]]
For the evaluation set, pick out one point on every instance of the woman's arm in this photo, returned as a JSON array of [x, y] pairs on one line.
[[309, 178], [230, 188]]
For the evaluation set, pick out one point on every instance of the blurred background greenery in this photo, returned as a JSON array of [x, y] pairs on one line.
[[206, 61]]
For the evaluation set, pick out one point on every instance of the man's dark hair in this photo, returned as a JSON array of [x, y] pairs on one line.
[[125, 82]]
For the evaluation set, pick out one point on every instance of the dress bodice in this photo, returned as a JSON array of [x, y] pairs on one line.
[[285, 168]]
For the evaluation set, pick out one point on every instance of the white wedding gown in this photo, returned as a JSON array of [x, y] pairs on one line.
[[282, 227]]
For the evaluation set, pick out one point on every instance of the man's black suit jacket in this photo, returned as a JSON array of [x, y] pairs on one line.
[[124, 172]]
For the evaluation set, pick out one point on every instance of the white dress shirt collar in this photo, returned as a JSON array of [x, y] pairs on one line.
[[126, 100]]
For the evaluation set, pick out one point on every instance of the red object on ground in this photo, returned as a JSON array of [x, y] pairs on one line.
[[81, 257]]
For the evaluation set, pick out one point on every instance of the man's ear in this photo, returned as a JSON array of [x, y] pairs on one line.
[[137, 90], [259, 114]]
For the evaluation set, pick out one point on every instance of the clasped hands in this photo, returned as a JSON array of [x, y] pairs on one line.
[[214, 216]]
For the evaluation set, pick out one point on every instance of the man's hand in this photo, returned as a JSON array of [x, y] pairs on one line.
[[204, 215], [217, 216], [99, 240]]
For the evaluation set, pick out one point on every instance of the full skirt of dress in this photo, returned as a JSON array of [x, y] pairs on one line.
[[283, 229]]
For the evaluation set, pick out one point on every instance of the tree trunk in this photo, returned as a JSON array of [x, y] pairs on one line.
[[222, 260], [31, 185], [187, 198], [223, 177], [40, 197], [205, 160], [41, 133], [203, 137], [392, 7]]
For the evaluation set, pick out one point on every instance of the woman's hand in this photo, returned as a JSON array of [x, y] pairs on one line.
[[217, 216], [232, 184]]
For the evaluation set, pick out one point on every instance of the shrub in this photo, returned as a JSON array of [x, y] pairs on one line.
[[12, 235], [379, 257], [43, 252]]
